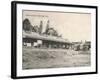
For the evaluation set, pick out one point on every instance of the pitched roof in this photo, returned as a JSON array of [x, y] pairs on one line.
[[44, 37]]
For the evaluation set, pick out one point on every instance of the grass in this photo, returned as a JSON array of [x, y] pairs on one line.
[[54, 58]]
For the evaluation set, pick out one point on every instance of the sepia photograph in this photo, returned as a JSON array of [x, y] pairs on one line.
[[56, 39], [53, 40]]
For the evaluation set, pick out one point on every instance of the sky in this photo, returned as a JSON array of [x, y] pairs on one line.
[[72, 26]]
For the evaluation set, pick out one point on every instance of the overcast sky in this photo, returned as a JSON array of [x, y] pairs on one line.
[[72, 26]]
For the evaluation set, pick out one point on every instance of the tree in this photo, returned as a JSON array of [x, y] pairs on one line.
[[47, 27], [52, 32], [27, 25], [36, 29], [41, 26]]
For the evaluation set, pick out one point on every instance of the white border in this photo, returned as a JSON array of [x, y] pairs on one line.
[[34, 72]]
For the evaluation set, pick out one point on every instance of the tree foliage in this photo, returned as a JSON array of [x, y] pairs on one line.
[[27, 25]]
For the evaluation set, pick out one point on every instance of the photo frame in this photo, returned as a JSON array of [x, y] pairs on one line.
[[50, 39]]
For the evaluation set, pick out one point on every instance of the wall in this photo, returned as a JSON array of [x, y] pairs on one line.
[[5, 40]]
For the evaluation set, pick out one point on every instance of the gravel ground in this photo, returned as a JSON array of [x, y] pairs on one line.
[[54, 58]]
